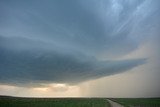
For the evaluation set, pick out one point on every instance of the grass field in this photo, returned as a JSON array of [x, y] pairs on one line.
[[6, 101], [138, 102], [52, 102]]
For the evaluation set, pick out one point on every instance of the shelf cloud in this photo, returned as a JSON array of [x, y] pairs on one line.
[[59, 41], [28, 61]]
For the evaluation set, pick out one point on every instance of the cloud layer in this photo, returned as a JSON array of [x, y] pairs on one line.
[[65, 41], [25, 60]]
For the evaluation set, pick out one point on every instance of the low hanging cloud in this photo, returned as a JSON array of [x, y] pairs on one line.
[[27, 61], [62, 41]]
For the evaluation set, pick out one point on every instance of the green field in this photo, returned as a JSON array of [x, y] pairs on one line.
[[6, 101], [138, 102], [52, 102]]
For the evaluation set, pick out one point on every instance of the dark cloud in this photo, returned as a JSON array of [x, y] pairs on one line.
[[25, 61], [61, 41]]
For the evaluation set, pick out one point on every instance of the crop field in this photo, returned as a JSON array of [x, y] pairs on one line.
[[52, 102], [138, 102]]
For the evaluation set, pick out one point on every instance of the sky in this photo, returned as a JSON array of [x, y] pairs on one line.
[[80, 48]]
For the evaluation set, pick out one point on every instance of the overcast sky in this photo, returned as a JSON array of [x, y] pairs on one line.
[[63, 48]]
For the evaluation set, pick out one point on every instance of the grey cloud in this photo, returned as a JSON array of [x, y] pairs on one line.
[[39, 64], [61, 41], [92, 28]]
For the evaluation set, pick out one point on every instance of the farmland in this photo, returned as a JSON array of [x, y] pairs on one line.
[[52, 102], [7, 101], [138, 102]]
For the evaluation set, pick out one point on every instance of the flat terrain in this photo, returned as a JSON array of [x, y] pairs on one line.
[[7, 101], [138, 102], [52, 102]]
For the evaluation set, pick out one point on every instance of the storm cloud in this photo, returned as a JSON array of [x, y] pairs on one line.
[[71, 41]]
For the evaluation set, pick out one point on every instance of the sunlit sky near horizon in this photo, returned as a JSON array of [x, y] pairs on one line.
[[80, 48]]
